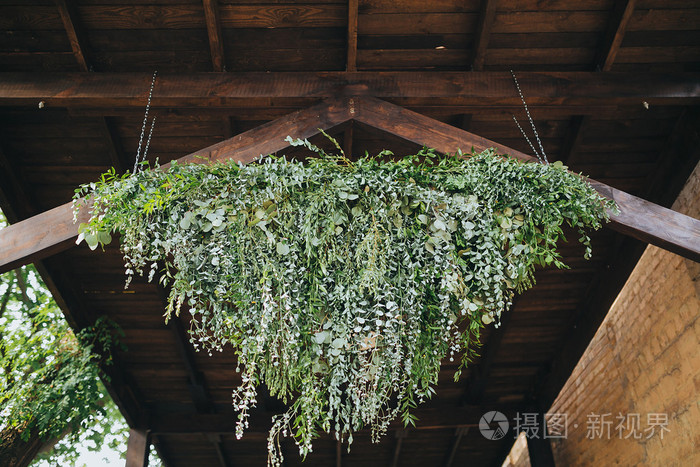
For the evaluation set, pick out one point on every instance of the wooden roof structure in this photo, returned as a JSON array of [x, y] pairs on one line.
[[613, 87]]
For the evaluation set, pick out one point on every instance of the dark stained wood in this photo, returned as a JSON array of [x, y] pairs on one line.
[[54, 230], [459, 434], [590, 313], [622, 12], [137, 448], [412, 53], [638, 218], [260, 422], [68, 12], [539, 450], [573, 138], [211, 14], [26, 242], [483, 33], [400, 435], [415, 88], [652, 223], [116, 152], [352, 36]]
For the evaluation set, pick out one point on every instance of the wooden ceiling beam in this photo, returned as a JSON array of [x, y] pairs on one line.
[[217, 90], [76, 37], [573, 138], [216, 42], [621, 14], [69, 15], [483, 33], [54, 229], [400, 435], [638, 218], [683, 151], [352, 36], [459, 434]]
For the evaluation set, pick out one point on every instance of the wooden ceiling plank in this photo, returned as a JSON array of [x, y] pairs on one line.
[[638, 218], [352, 36], [216, 43], [483, 33], [69, 16], [216, 90], [620, 17], [172, 423]]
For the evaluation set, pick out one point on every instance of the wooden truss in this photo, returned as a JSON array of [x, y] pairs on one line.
[[54, 230]]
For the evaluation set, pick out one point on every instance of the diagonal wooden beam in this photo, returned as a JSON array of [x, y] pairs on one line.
[[573, 138], [76, 37], [483, 33], [352, 36], [69, 15], [621, 14], [54, 230], [638, 218], [459, 434], [400, 435], [216, 43], [226, 90]]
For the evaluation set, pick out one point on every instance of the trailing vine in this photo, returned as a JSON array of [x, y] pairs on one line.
[[342, 284]]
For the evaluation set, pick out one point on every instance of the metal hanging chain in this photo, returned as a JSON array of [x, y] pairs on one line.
[[532, 124], [527, 139], [139, 156]]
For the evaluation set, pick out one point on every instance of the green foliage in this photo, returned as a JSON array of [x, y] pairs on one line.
[[342, 284], [49, 377]]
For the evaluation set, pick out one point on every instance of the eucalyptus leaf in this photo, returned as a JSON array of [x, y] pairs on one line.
[[397, 265]]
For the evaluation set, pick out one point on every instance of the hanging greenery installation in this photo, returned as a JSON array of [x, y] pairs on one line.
[[341, 284]]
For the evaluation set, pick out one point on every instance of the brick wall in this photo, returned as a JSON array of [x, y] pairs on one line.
[[644, 361]]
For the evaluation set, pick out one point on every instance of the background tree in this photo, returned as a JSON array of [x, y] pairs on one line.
[[53, 406]]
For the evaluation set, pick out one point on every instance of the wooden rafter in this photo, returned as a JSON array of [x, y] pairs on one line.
[[137, 448], [211, 90], [78, 42], [638, 218], [352, 36], [622, 12], [459, 434], [400, 435], [216, 43], [483, 33], [607, 285], [69, 15], [573, 138], [54, 230]]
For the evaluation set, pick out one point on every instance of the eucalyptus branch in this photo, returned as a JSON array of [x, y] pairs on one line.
[[342, 285]]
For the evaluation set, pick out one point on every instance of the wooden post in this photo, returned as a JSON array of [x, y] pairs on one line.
[[138, 448]]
